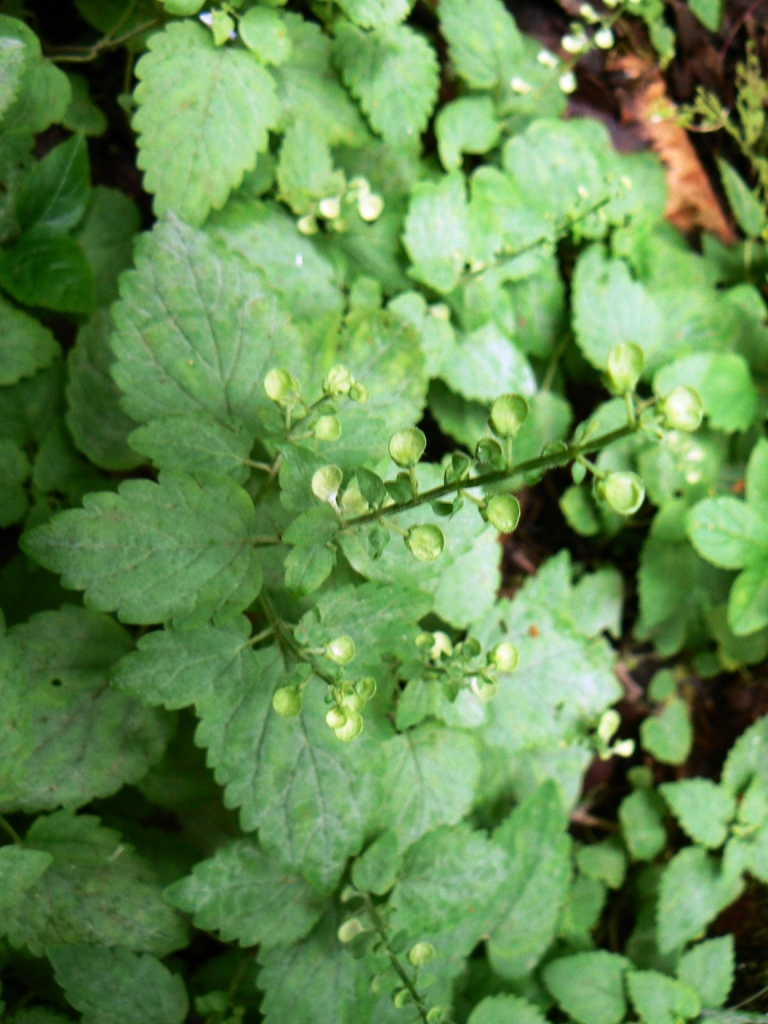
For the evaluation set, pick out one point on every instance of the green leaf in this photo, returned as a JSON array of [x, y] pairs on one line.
[[56, 193], [728, 532], [642, 824], [307, 568], [96, 890], [14, 472], [98, 425], [661, 1000], [668, 736], [305, 171], [603, 862], [18, 47], [264, 33], [589, 987], [748, 758], [467, 125], [19, 870], [703, 809], [537, 884], [483, 41], [484, 363], [196, 442], [376, 869], [430, 775], [179, 667], [106, 236], [709, 970], [757, 475], [724, 382], [181, 549], [178, 346], [610, 308], [748, 601], [42, 95], [48, 269], [204, 113], [25, 345], [746, 207], [82, 114], [307, 793], [247, 897], [393, 73], [375, 13], [115, 986], [693, 891], [505, 1010], [68, 736], [437, 232]]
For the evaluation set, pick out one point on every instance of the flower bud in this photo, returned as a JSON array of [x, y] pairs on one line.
[[336, 717], [508, 414], [503, 512], [567, 82], [505, 656], [407, 446], [359, 393], [624, 492], [488, 452], [484, 689], [401, 997], [604, 38], [441, 644], [327, 428], [366, 688], [425, 542], [280, 386], [287, 701], [350, 929], [435, 1015], [351, 728], [338, 380], [330, 207], [341, 650], [326, 482], [307, 224], [370, 206], [608, 725], [421, 954], [624, 366], [682, 409]]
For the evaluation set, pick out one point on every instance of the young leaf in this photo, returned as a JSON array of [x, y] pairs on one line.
[[56, 193], [694, 889], [728, 532], [38, 93], [118, 986], [18, 46], [307, 568], [375, 13], [48, 269], [505, 1010], [661, 1000], [748, 758], [305, 171], [82, 114], [709, 970], [203, 117], [668, 736], [589, 986], [393, 72], [25, 345], [247, 897], [703, 809], [181, 549], [96, 890], [69, 737], [642, 824], [467, 125], [603, 862], [745, 205]]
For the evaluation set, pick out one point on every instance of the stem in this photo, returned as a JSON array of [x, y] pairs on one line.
[[7, 827], [496, 476], [287, 642], [630, 404], [90, 53], [381, 930]]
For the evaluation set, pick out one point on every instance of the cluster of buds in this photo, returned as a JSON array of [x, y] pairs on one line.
[[607, 728], [333, 210], [283, 389], [461, 666], [347, 698]]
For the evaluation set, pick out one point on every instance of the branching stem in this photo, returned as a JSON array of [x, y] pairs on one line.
[[397, 967]]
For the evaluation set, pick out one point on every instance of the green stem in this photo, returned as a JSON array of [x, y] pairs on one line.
[[287, 641], [92, 52], [7, 827], [496, 476], [402, 974]]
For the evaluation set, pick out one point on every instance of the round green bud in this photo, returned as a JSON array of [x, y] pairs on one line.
[[401, 997], [505, 656], [370, 206], [484, 689], [352, 701], [351, 728], [624, 366], [488, 452], [435, 1015], [425, 542], [338, 380], [341, 650], [441, 645], [326, 482], [608, 725], [280, 386], [683, 409], [330, 207], [287, 701], [350, 929], [624, 492], [508, 414], [327, 428], [336, 717], [366, 688], [407, 446], [503, 512], [359, 393], [421, 954]]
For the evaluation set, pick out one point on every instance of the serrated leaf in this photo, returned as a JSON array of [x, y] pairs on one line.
[[642, 824], [56, 193], [196, 442], [745, 205], [694, 889], [305, 172], [748, 758], [603, 862], [96, 890], [540, 869], [115, 986], [247, 897], [437, 232], [703, 809], [430, 774], [312, 812], [709, 970], [43, 94], [589, 987], [668, 736], [204, 113], [67, 736], [467, 125], [728, 532], [19, 870], [724, 382], [25, 345], [375, 13], [748, 601], [18, 47], [106, 236], [181, 549], [48, 269], [659, 999], [82, 114], [179, 347], [485, 363], [307, 568], [393, 72], [376, 869], [505, 1009], [98, 425], [483, 40]]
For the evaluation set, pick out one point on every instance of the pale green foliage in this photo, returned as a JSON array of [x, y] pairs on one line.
[[589, 986]]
